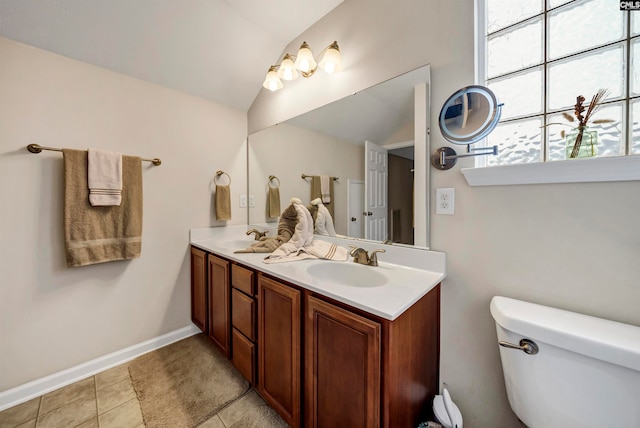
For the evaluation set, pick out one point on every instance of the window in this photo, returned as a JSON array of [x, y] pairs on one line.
[[539, 55]]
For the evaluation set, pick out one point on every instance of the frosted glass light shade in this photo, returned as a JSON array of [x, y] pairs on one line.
[[287, 70], [331, 61], [272, 82], [304, 60]]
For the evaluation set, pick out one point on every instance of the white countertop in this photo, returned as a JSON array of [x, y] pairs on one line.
[[410, 273]]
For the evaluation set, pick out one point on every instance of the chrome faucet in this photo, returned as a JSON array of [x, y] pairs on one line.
[[360, 256], [257, 234]]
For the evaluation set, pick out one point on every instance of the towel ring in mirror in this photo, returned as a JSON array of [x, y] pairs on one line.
[[274, 178], [467, 116], [220, 173]]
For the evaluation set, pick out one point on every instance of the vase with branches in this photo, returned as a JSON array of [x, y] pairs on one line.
[[582, 115]]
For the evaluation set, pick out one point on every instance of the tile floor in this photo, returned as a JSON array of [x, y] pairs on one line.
[[108, 400]]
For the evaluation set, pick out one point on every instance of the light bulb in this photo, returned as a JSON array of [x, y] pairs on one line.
[[272, 82], [331, 61], [304, 59], [287, 70]]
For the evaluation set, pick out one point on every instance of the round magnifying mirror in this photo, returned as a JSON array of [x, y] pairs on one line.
[[469, 115]]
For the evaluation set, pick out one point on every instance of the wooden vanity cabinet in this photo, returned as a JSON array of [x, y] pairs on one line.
[[199, 288], [219, 313], [349, 368], [342, 367], [366, 371], [279, 343]]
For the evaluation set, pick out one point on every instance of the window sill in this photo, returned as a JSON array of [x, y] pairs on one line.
[[621, 168]]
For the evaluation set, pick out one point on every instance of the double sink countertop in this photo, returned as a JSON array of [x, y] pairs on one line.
[[403, 275]]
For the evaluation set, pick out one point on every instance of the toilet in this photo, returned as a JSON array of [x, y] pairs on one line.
[[563, 369]]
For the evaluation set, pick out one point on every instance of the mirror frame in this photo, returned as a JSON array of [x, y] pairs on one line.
[[488, 121]]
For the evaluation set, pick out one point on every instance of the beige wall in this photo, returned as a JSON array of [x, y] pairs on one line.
[[288, 151], [52, 317], [574, 246]]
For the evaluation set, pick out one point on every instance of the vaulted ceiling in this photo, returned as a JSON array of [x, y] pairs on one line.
[[219, 50]]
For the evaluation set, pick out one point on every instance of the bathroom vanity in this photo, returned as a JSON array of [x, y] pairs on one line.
[[325, 343]]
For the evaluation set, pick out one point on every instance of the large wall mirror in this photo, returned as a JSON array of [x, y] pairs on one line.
[[375, 143]]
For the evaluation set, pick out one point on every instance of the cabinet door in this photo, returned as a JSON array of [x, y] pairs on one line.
[[219, 313], [199, 288], [342, 367], [279, 348]]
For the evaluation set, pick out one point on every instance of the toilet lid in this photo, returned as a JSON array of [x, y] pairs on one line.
[[441, 412]]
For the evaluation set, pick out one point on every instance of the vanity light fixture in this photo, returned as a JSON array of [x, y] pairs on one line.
[[305, 63]]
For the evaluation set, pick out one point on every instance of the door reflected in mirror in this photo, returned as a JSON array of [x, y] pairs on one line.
[[339, 140]]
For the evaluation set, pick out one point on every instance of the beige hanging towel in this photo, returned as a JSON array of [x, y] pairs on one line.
[[97, 234], [223, 202], [316, 192], [273, 201]]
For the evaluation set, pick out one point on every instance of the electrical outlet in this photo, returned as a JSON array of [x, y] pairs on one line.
[[243, 201], [445, 201], [252, 202]]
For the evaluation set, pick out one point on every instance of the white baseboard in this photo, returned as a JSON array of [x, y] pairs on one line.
[[38, 387]]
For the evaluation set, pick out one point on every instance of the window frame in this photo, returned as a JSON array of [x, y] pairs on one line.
[[612, 168]]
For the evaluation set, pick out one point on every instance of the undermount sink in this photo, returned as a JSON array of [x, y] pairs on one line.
[[348, 273]]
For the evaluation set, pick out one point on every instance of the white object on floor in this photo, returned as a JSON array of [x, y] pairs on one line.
[[446, 410]]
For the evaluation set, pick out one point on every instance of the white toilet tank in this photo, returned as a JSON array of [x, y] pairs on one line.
[[586, 372]]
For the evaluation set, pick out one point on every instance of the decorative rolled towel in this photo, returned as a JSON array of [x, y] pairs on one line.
[[101, 234], [286, 229], [104, 178], [223, 202], [273, 202], [323, 221], [318, 249], [303, 233], [303, 246]]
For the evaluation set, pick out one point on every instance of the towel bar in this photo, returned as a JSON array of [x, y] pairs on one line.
[[37, 148], [304, 176]]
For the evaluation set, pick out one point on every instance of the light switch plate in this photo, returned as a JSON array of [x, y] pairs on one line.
[[243, 201]]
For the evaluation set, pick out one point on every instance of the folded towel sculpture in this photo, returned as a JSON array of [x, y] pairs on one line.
[[295, 239], [286, 228], [302, 245], [323, 222]]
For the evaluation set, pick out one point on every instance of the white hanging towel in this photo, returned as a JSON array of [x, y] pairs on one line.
[[104, 178], [325, 190]]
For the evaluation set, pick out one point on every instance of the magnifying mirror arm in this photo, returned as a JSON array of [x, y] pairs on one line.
[[445, 157]]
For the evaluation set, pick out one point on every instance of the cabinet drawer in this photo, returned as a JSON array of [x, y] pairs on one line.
[[243, 314], [244, 355], [242, 279]]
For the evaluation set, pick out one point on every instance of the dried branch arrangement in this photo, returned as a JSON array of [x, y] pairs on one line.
[[583, 118]]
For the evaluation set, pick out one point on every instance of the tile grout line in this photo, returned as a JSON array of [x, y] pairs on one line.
[[38, 412], [95, 387]]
